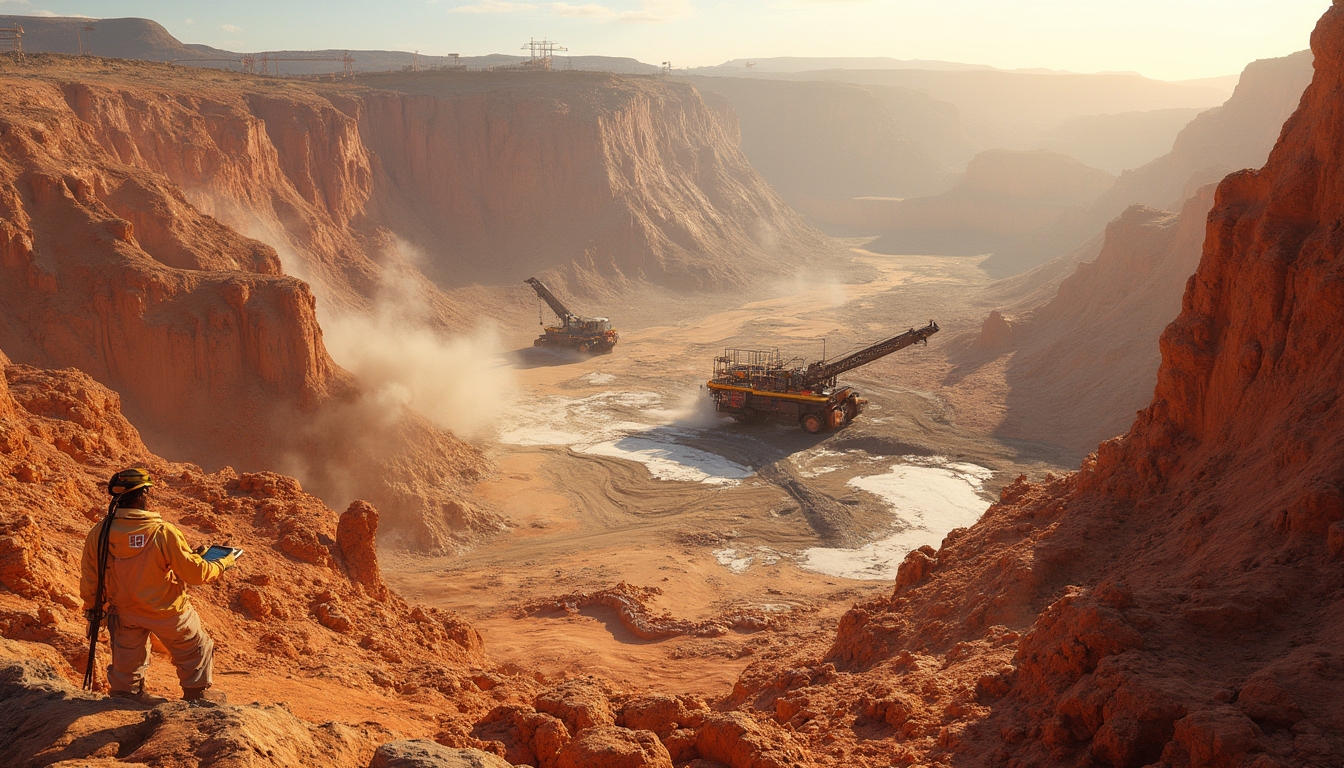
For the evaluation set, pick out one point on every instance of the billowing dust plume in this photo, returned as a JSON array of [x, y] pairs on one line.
[[460, 382]]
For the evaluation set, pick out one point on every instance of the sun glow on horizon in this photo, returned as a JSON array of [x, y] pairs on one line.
[[1161, 39]]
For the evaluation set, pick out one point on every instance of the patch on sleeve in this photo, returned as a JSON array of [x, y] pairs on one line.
[[136, 540]]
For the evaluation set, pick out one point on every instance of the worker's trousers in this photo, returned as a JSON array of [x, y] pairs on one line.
[[191, 648]]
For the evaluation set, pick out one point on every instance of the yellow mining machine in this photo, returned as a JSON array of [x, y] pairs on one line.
[[586, 334], [752, 384]]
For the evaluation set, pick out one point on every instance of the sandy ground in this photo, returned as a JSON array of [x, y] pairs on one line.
[[613, 468]]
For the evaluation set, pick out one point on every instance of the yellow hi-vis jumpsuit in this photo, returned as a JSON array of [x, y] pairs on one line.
[[147, 574]]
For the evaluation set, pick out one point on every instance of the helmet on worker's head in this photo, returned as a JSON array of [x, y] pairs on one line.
[[128, 480]]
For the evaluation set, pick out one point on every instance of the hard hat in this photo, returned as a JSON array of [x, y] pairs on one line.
[[128, 480]]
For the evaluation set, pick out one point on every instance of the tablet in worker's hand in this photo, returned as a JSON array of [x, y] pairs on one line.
[[219, 553]]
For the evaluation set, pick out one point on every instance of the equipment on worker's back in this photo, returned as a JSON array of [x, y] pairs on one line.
[[586, 334], [122, 483], [751, 384]]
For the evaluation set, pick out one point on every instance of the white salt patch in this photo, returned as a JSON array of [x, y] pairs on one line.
[[738, 561], [596, 378], [775, 608], [931, 496], [603, 424], [729, 559], [671, 461]]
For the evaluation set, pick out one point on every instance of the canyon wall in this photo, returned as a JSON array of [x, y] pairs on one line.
[[1012, 109], [1084, 361], [1238, 134], [498, 176], [1178, 601], [1119, 142]]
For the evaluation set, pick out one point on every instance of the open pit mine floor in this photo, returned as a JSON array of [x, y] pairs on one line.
[[720, 542]]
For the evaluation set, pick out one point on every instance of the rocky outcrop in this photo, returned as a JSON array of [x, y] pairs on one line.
[[62, 435], [39, 707], [1176, 601], [631, 604], [356, 537], [588, 722], [422, 753]]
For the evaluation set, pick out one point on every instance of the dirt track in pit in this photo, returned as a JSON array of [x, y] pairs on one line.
[[612, 469]]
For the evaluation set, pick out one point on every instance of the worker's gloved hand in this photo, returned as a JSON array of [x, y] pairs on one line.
[[228, 561]]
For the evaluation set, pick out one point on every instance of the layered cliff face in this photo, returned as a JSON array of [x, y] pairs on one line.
[[1177, 602], [497, 176], [183, 315], [1239, 134]]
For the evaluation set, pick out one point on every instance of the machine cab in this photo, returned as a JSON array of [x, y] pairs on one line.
[[594, 324]]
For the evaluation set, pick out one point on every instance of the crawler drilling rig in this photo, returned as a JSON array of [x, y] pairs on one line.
[[752, 384], [586, 334]]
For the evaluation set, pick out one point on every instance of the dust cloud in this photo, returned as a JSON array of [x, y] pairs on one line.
[[460, 382]]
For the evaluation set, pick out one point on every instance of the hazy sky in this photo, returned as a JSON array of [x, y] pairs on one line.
[[1166, 39]]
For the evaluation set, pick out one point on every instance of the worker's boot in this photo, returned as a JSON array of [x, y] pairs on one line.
[[139, 697], [204, 694]]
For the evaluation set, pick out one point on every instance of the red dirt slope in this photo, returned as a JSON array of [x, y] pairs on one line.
[[305, 618], [1180, 600]]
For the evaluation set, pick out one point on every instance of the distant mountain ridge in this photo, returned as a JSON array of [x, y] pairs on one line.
[[145, 39]]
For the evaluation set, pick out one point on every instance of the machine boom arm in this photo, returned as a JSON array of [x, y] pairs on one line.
[[560, 310], [819, 372]]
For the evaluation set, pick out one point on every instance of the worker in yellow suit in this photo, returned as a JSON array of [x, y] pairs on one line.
[[146, 566]]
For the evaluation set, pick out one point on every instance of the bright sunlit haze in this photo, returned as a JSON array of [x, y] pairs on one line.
[[1168, 40]]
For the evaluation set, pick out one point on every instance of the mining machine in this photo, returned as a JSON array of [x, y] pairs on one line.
[[752, 384], [586, 334]]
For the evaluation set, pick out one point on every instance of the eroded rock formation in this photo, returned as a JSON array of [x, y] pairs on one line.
[[823, 144], [631, 605]]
